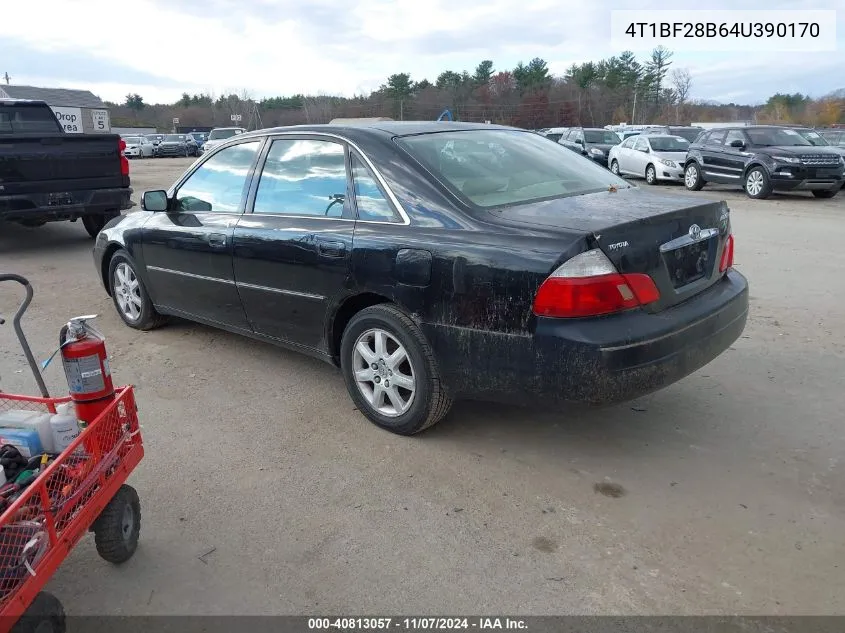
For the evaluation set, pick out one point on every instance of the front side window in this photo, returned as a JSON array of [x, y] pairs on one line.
[[489, 168], [641, 145], [218, 184], [370, 199], [734, 135], [716, 137], [628, 143], [303, 177]]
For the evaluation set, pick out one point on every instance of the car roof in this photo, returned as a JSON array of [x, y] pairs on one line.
[[384, 128]]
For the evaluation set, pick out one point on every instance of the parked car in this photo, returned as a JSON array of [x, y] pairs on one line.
[[506, 268], [220, 134], [654, 157], [138, 147], [555, 133], [47, 175], [199, 137], [155, 139], [835, 137], [762, 159], [594, 143], [817, 140], [178, 145]]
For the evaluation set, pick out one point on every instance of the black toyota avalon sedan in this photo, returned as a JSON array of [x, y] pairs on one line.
[[433, 262]]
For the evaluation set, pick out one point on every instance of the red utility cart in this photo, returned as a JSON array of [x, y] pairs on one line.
[[81, 490]]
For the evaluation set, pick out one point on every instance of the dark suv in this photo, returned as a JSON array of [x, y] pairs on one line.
[[762, 159], [594, 143]]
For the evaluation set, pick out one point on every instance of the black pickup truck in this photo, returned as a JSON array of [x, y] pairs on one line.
[[47, 175]]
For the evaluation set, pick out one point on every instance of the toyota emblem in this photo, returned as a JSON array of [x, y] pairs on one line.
[[695, 231]]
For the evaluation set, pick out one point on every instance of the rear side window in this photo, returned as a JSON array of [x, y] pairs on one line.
[[27, 119], [372, 203], [490, 168], [303, 177]]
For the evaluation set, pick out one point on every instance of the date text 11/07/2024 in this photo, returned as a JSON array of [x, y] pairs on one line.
[[415, 623]]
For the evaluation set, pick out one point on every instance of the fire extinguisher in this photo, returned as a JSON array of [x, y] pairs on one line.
[[86, 365]]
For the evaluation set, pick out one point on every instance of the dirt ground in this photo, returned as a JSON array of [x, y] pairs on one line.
[[265, 492]]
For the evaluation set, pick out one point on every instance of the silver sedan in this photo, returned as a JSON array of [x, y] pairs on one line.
[[654, 157], [138, 147]]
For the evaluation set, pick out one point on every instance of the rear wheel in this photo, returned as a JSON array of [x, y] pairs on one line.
[[825, 193], [757, 184], [692, 177], [651, 175], [118, 527], [95, 223], [390, 371], [44, 615], [614, 167], [129, 295]]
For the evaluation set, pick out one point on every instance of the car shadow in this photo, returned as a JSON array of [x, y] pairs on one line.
[[53, 236]]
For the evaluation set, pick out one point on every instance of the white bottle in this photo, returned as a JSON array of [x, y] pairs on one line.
[[34, 420], [64, 427]]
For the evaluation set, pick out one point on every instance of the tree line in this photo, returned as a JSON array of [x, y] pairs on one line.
[[621, 88]]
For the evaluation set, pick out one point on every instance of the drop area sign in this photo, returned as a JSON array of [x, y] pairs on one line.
[[69, 118]]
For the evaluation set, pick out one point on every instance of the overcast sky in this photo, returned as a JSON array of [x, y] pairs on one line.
[[162, 48]]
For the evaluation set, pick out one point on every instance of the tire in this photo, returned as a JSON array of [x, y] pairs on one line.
[[44, 615], [95, 223], [124, 290], [117, 528], [692, 177], [825, 193], [614, 167], [757, 184], [651, 175], [427, 404]]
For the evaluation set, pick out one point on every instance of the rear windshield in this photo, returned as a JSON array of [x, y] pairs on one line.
[[216, 135], [601, 137], [689, 133], [490, 168], [25, 119], [668, 143], [775, 136]]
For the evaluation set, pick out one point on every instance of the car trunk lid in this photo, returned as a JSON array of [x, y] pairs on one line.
[[677, 241]]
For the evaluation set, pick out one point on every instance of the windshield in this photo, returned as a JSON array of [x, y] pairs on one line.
[[775, 136], [490, 168], [175, 138], [216, 135], [668, 143], [132, 140], [601, 137], [814, 137], [554, 137], [689, 133]]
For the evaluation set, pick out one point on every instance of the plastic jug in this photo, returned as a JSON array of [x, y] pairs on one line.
[[33, 420], [25, 440], [64, 427]]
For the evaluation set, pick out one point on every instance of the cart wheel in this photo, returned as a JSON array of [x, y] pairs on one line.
[[45, 615], [117, 528]]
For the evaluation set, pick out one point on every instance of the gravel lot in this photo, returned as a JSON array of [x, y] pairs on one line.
[[733, 478]]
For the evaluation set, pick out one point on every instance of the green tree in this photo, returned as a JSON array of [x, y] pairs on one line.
[[399, 86], [135, 102], [448, 80], [656, 69], [422, 85], [483, 73]]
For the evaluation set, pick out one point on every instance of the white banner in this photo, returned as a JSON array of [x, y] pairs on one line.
[[69, 118]]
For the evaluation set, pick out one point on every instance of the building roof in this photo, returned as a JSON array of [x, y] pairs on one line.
[[59, 97]]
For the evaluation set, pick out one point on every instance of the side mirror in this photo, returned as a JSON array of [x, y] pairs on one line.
[[154, 201], [737, 143]]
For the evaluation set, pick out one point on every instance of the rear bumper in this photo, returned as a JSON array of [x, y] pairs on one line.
[[45, 206], [594, 361]]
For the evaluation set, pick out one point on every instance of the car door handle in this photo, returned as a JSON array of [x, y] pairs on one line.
[[328, 248], [216, 239]]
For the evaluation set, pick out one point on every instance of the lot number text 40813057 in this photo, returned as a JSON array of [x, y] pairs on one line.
[[416, 623]]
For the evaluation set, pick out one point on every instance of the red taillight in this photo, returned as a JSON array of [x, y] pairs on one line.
[[727, 254], [124, 162], [588, 285]]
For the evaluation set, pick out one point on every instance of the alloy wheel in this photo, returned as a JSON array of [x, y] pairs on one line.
[[383, 372], [754, 183], [690, 176], [127, 291]]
